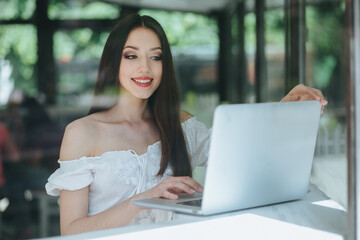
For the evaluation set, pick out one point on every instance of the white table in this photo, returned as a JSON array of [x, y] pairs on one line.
[[314, 217]]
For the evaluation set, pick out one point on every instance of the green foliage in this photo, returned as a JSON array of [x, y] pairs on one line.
[[77, 53], [325, 40], [16, 9], [274, 27], [186, 29], [82, 44], [325, 29], [250, 31], [323, 70], [234, 28], [71, 83], [82, 10], [18, 45]]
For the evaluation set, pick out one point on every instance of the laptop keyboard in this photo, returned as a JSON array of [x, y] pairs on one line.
[[196, 203]]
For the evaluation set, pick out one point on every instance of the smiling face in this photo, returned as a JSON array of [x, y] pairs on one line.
[[141, 64]]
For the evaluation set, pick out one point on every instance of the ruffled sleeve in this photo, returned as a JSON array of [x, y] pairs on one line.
[[198, 140], [71, 175]]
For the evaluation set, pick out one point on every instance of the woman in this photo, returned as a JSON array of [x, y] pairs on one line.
[[141, 145]]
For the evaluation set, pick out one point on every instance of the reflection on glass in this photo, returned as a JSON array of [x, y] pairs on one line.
[[77, 55], [36, 129], [326, 70]]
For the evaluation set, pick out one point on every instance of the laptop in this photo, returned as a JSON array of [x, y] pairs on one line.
[[260, 154]]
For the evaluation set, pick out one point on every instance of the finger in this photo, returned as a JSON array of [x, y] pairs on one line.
[[301, 89], [306, 98], [316, 95], [313, 93], [178, 191], [192, 184], [323, 102], [175, 185], [322, 99], [319, 92], [169, 195], [182, 187], [291, 98], [184, 184]]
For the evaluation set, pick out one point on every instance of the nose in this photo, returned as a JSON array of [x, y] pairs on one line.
[[144, 65]]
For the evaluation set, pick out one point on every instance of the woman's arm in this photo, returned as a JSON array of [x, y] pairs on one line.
[[74, 213], [74, 206]]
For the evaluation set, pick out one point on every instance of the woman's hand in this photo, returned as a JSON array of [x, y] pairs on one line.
[[170, 187], [304, 93]]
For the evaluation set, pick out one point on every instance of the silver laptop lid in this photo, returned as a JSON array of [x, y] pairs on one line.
[[260, 154]]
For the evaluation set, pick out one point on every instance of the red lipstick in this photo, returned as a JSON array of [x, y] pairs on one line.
[[142, 81]]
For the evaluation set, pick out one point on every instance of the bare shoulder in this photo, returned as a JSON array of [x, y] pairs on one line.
[[78, 139], [184, 116]]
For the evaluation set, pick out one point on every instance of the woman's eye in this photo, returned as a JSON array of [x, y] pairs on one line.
[[156, 58], [130, 56]]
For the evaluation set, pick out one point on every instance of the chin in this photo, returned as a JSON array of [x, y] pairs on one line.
[[143, 97]]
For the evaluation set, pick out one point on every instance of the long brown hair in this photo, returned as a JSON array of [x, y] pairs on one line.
[[164, 104]]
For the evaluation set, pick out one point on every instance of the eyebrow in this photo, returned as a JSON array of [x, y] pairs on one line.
[[135, 48]]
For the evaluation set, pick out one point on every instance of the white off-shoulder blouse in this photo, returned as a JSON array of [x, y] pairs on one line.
[[116, 176]]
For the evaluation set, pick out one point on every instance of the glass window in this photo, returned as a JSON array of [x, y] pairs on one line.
[[37, 128], [326, 70], [82, 10]]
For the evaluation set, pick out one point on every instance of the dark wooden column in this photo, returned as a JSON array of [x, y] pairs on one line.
[[242, 54], [224, 25], [295, 39], [260, 60], [46, 76], [127, 10]]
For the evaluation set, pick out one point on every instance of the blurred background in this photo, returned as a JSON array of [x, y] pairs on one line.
[[225, 51]]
